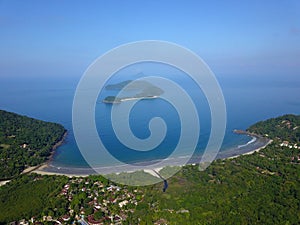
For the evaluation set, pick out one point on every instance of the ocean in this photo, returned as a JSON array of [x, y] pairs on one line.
[[247, 101]]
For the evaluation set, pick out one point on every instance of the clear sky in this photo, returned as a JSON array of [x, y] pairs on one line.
[[255, 37]]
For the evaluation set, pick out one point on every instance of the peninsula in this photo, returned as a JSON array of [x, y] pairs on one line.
[[26, 142]]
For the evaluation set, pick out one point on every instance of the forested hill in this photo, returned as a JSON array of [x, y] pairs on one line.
[[262, 188], [25, 142], [285, 127]]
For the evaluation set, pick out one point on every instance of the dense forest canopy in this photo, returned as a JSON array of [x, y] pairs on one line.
[[30, 195], [285, 127], [25, 142]]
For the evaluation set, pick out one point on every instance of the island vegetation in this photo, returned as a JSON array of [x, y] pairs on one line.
[[25, 142], [261, 188], [143, 89]]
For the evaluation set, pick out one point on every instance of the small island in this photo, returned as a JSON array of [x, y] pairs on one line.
[[144, 89]]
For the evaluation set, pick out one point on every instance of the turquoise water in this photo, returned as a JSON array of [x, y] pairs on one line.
[[51, 99]]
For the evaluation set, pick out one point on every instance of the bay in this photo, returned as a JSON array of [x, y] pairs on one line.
[[51, 99]]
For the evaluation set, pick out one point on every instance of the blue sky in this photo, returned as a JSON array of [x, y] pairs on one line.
[[55, 38]]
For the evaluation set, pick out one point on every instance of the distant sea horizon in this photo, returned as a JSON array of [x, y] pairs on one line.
[[51, 98]]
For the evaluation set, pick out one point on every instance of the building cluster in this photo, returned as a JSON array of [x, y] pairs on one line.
[[289, 145], [103, 203], [294, 159], [111, 202]]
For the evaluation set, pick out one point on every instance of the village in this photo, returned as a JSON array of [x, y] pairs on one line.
[[92, 202]]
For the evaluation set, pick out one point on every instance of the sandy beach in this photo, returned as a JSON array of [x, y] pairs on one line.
[[255, 150], [256, 146], [48, 169], [4, 182]]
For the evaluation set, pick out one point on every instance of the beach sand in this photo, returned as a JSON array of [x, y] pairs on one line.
[[4, 182], [255, 150], [48, 169], [153, 172]]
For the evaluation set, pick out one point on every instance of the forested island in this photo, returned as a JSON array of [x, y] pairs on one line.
[[262, 188], [25, 142], [143, 89]]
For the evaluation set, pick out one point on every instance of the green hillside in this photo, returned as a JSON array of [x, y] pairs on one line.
[[25, 142], [285, 127]]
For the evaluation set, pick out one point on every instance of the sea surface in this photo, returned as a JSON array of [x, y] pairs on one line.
[[248, 100]]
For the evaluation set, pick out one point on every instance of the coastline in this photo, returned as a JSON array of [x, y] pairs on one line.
[[50, 158], [247, 149], [54, 147], [39, 168], [251, 152]]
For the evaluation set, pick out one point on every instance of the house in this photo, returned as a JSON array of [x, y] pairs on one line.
[[23, 222], [123, 203], [91, 220], [117, 218], [284, 144], [97, 206], [24, 145], [66, 218]]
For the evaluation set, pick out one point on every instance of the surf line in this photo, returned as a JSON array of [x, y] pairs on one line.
[[164, 180]]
